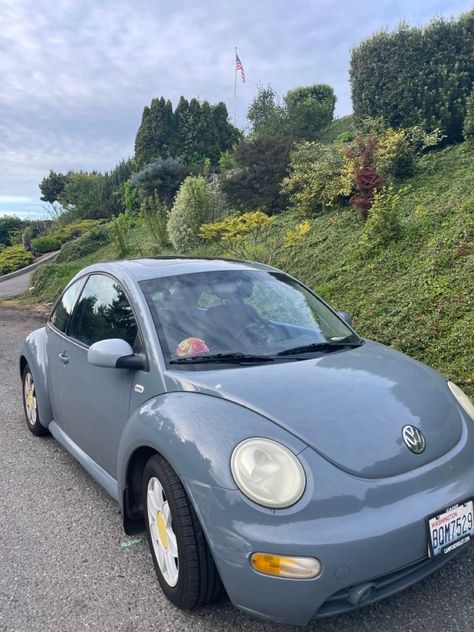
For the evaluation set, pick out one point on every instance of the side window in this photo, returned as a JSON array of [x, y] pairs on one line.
[[103, 312], [63, 310]]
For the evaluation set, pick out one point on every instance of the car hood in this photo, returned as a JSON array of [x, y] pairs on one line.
[[349, 405]]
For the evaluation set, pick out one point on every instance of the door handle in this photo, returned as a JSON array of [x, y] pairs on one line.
[[63, 357]]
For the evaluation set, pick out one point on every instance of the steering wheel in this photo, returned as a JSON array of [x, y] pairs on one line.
[[256, 332]]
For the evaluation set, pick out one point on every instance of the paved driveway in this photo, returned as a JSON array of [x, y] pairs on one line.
[[65, 563], [14, 286]]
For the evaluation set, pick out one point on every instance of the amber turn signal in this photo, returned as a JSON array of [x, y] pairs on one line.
[[285, 566]]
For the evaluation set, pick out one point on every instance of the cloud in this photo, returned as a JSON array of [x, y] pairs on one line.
[[77, 73]]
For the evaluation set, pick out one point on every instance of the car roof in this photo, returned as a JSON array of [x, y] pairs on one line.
[[151, 268]]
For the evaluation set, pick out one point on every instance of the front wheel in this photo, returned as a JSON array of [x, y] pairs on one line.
[[182, 559], [30, 404]]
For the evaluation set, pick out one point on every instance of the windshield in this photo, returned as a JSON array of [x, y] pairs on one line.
[[244, 312]]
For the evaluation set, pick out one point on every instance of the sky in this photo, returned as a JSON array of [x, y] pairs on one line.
[[76, 74]]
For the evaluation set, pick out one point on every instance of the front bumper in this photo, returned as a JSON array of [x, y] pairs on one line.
[[364, 531]]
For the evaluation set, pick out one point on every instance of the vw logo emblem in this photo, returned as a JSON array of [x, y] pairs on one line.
[[413, 439]]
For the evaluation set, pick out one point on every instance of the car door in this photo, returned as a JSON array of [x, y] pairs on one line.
[[56, 335], [94, 401]]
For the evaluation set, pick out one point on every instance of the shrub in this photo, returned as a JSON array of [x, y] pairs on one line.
[[45, 243], [254, 184], [321, 176], [367, 179], [395, 157], [383, 224], [84, 245], [468, 127], [72, 231], [195, 204], [13, 258], [119, 232], [163, 176], [154, 218], [254, 236]]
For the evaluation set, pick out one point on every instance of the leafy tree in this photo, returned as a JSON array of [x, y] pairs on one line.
[[155, 134], [112, 191], [416, 76], [195, 204], [308, 110], [162, 176], [52, 186], [254, 184], [180, 126], [8, 226], [144, 142], [82, 195], [227, 134], [267, 117], [194, 131]]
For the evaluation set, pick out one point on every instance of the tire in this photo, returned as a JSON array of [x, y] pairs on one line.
[[190, 578], [30, 404]]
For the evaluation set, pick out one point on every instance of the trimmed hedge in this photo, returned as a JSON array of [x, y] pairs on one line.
[[14, 258], [45, 243], [416, 75]]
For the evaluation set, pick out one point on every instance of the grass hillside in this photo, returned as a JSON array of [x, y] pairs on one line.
[[418, 295]]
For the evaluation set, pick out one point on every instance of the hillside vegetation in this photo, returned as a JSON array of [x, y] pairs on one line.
[[375, 210], [417, 294]]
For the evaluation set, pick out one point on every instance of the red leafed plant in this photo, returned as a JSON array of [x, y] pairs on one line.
[[366, 177]]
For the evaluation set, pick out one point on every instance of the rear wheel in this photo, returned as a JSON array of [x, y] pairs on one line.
[[30, 404], [182, 559]]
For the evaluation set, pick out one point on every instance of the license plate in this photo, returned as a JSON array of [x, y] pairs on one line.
[[451, 528]]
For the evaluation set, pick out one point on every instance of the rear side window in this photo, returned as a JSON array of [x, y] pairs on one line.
[[63, 310], [103, 312]]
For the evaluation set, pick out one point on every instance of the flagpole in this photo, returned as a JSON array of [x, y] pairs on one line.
[[235, 84]]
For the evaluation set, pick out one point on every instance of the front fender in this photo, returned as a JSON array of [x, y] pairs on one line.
[[196, 433], [34, 350]]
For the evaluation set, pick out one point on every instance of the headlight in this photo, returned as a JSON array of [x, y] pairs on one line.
[[268, 473], [463, 399]]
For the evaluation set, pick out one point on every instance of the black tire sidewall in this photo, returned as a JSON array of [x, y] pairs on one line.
[[37, 428], [157, 467]]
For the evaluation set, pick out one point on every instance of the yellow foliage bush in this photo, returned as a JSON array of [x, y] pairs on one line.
[[254, 236], [321, 176]]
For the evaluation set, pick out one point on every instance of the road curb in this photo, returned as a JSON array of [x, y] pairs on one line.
[[11, 275]]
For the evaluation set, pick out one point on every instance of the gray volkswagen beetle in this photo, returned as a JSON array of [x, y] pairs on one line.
[[257, 438]]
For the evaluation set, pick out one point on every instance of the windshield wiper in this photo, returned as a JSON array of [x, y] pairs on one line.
[[223, 357], [319, 346]]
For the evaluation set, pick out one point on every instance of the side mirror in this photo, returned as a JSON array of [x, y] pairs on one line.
[[115, 353], [346, 317]]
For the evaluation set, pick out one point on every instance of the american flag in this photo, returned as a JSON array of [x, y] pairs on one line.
[[238, 66]]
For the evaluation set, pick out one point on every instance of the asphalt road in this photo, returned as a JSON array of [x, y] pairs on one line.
[[17, 285], [65, 563]]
